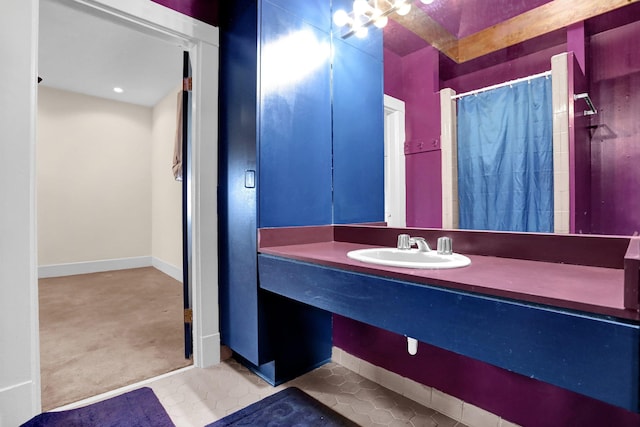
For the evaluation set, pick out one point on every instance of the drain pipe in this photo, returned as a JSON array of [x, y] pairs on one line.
[[412, 346]]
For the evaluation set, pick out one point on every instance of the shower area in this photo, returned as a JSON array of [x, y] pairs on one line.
[[516, 156]]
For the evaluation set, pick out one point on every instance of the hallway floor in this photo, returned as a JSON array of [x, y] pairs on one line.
[[105, 330]]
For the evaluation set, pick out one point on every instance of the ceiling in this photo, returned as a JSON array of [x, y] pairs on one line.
[[460, 18], [82, 52], [85, 53]]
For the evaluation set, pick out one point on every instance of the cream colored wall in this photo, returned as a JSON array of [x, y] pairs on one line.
[[166, 234], [93, 178]]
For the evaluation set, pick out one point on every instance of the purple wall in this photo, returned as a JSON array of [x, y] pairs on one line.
[[202, 10], [514, 397], [420, 92], [615, 142], [579, 148], [393, 75], [524, 66]]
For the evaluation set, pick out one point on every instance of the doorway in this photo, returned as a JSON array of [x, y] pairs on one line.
[[205, 328], [394, 163], [110, 209]]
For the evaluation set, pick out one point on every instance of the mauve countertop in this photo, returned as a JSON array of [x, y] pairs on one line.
[[596, 290]]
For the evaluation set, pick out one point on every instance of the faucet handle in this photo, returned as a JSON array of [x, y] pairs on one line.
[[445, 246], [404, 241]]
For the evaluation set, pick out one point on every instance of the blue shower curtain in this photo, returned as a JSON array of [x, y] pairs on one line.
[[505, 158]]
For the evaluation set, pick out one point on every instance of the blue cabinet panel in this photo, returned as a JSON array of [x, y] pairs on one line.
[[595, 356], [237, 203], [315, 12], [358, 136], [295, 122]]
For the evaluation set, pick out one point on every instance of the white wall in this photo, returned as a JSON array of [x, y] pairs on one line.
[[19, 361], [93, 178], [166, 200], [106, 195]]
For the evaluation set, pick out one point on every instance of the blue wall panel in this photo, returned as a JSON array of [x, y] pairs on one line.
[[237, 203], [295, 122], [592, 355], [358, 136], [314, 12]]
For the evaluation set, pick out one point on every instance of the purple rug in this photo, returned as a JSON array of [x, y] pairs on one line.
[[138, 408], [289, 407]]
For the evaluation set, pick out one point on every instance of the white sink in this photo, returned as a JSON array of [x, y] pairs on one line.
[[409, 258]]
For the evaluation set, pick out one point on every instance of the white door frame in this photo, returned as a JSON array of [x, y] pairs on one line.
[[395, 194], [20, 389]]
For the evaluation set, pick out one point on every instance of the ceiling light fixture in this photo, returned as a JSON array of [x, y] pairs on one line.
[[118, 90], [370, 12]]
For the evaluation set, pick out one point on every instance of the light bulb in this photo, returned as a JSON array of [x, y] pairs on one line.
[[404, 9], [341, 18], [426, 1], [361, 32], [360, 7], [380, 21]]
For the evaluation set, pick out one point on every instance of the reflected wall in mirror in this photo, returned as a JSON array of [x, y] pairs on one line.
[[468, 45]]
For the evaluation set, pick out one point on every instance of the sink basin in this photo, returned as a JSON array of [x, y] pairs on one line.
[[409, 258]]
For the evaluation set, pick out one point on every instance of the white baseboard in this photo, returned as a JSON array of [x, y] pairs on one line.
[[16, 404], [208, 351], [168, 269], [73, 268]]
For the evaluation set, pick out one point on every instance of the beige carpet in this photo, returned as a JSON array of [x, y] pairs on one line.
[[105, 330]]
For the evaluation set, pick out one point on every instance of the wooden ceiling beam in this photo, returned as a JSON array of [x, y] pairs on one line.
[[536, 22], [544, 19], [429, 30]]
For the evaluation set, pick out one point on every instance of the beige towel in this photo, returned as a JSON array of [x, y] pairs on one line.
[[177, 149]]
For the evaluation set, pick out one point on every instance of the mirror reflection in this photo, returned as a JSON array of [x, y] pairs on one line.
[[457, 47]]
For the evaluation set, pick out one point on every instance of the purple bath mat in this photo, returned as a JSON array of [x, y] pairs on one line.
[[138, 408], [289, 407]]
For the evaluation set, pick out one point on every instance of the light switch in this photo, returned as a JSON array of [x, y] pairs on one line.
[[249, 179]]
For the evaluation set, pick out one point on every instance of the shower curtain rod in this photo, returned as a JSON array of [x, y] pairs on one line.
[[510, 82]]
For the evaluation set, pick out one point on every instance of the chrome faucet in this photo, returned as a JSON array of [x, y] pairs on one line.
[[405, 242]]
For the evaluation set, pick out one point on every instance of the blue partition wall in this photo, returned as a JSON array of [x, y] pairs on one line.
[[301, 143]]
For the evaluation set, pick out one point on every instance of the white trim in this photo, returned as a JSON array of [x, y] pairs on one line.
[[449, 159], [152, 18], [19, 337], [86, 267], [395, 190], [121, 390], [204, 224], [168, 269], [561, 155]]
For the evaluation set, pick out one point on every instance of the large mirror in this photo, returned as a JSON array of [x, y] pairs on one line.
[[467, 45]]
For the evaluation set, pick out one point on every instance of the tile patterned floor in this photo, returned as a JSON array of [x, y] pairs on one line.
[[196, 397]]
